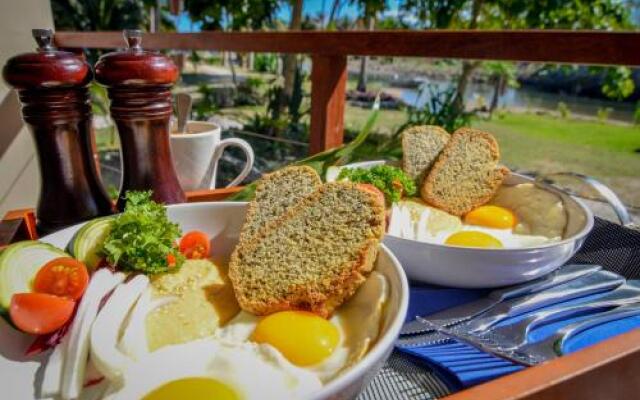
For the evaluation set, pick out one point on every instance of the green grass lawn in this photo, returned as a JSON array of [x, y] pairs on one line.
[[546, 144]]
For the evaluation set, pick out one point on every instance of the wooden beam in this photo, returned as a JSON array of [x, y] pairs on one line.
[[555, 46], [17, 225], [175, 6], [212, 195], [607, 370], [328, 86]]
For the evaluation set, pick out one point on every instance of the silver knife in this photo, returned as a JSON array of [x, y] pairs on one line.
[[515, 335], [467, 311], [597, 282], [554, 345]]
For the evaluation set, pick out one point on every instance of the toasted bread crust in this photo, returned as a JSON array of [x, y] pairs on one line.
[[491, 182], [262, 187], [320, 297], [417, 161]]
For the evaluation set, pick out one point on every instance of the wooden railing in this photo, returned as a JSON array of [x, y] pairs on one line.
[[329, 51]]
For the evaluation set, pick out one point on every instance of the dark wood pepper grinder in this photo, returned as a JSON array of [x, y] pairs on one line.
[[139, 84], [52, 86]]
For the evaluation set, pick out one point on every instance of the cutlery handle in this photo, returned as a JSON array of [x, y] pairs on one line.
[[621, 296], [594, 283], [562, 275], [572, 330]]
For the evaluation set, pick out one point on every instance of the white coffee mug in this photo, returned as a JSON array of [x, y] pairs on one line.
[[197, 152]]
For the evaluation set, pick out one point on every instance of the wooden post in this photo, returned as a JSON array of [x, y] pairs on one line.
[[328, 85]]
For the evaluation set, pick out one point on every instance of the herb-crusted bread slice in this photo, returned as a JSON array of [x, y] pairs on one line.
[[312, 258], [466, 174], [275, 194], [421, 146]]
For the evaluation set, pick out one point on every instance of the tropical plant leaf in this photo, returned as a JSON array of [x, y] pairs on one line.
[[321, 161]]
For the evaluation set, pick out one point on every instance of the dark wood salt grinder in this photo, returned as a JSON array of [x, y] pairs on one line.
[[52, 86], [139, 84]]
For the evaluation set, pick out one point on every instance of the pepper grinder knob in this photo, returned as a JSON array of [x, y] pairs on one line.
[[44, 39], [133, 37]]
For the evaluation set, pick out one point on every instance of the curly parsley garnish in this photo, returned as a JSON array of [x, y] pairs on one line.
[[142, 238], [392, 181]]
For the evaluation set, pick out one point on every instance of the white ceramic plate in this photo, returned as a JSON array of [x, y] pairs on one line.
[[222, 221]]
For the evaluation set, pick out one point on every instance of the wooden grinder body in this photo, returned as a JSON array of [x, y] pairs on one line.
[[139, 85], [53, 89]]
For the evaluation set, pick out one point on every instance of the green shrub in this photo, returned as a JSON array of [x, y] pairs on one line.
[[265, 62], [604, 113], [439, 110], [636, 114], [563, 110]]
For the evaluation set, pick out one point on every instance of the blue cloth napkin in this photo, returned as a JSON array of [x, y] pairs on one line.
[[462, 365]]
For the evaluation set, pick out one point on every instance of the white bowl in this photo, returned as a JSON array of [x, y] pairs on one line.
[[487, 268], [222, 222]]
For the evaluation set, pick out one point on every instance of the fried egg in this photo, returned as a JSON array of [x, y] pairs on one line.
[[540, 212], [324, 347], [284, 355], [214, 369], [488, 226]]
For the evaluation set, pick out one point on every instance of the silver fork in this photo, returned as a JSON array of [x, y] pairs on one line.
[[486, 345], [515, 335], [456, 315], [598, 282], [547, 349]]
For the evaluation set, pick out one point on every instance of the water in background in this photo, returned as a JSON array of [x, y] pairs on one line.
[[525, 97]]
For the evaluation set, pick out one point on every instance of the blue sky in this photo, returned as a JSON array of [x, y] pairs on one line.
[[310, 7]]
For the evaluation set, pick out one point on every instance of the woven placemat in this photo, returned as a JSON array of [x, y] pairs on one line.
[[402, 378]]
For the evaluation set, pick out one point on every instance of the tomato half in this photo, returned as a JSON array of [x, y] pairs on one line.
[[195, 245], [40, 313], [63, 276]]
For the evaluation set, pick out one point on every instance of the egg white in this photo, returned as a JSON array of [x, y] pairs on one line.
[[253, 371], [230, 357], [417, 221]]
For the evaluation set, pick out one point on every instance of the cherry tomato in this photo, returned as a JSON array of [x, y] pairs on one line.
[[171, 260], [64, 276], [195, 245], [40, 313]]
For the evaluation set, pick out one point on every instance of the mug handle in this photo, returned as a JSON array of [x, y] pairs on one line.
[[217, 154]]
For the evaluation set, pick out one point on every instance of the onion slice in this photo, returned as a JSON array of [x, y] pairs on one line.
[[102, 282], [106, 356]]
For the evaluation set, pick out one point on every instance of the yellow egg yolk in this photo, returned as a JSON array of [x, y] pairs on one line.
[[491, 217], [473, 239], [302, 337], [193, 389]]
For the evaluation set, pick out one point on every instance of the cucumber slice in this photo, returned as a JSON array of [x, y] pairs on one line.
[[19, 264], [87, 242]]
